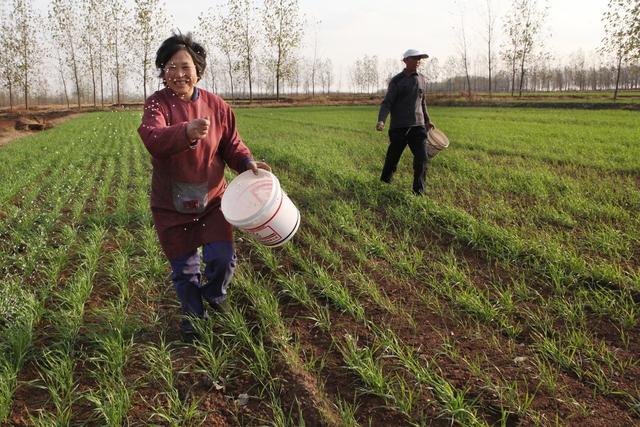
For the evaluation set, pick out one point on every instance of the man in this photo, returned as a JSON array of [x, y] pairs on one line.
[[406, 101]]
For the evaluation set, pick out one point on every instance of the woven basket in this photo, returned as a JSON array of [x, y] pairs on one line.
[[436, 141]]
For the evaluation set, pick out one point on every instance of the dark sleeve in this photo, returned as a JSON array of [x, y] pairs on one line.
[[159, 139], [425, 111], [388, 101], [234, 151]]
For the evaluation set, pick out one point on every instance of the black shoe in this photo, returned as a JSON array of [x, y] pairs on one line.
[[188, 332], [218, 307]]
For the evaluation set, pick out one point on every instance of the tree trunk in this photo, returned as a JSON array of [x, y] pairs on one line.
[[490, 95], [117, 69], [64, 87], [615, 93], [521, 76], [250, 84], [513, 76], [26, 89], [75, 73], [230, 68], [213, 79], [93, 76], [144, 79], [10, 95]]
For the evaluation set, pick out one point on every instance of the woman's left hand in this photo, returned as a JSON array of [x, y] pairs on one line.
[[254, 166]]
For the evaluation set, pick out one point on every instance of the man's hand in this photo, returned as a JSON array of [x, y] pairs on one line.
[[254, 166], [430, 126], [197, 129], [379, 126]]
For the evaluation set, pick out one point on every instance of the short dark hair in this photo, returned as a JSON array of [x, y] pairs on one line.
[[179, 41]]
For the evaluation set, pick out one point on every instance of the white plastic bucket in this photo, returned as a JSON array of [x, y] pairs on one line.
[[257, 205]]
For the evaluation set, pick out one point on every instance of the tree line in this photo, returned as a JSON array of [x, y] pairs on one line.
[[93, 48], [94, 52]]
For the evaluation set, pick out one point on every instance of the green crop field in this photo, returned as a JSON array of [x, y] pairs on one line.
[[508, 295]]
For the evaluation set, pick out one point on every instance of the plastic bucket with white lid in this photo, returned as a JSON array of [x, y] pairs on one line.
[[257, 205]]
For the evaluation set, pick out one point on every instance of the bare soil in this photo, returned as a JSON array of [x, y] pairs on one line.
[[9, 133]]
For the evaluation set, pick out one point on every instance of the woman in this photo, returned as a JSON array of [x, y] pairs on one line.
[[191, 135]]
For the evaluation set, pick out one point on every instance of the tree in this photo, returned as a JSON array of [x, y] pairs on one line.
[[510, 48], [151, 22], [283, 30], [65, 32], [523, 28], [62, 78], [315, 64], [117, 36], [489, 36], [622, 34], [94, 42], [326, 74], [218, 24], [25, 21], [464, 56], [244, 37], [8, 59]]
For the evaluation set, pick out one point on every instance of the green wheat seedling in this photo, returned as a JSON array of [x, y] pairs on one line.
[[406, 258], [294, 285], [257, 357], [618, 306], [17, 337], [369, 288], [120, 271], [322, 248], [347, 412], [56, 372], [457, 287], [280, 417], [366, 363], [172, 409], [19, 311], [337, 293], [267, 256], [112, 398], [217, 356], [8, 384], [113, 352], [271, 325], [514, 396], [155, 264], [453, 402], [267, 307], [111, 401]]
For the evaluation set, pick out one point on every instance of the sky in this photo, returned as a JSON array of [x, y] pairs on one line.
[[346, 30]]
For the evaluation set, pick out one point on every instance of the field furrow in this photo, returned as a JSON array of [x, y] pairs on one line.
[[508, 295]]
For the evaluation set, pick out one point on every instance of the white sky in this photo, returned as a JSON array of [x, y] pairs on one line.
[[347, 30], [350, 29]]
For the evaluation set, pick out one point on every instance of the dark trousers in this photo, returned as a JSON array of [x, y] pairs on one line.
[[220, 263], [416, 138]]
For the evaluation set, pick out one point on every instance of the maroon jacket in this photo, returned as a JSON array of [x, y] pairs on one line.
[[188, 177]]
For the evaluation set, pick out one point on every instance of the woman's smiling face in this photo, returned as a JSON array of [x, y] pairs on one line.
[[180, 74]]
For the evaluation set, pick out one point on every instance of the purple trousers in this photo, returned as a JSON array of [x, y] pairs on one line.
[[191, 288]]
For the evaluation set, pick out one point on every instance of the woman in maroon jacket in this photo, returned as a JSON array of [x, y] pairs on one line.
[[191, 135]]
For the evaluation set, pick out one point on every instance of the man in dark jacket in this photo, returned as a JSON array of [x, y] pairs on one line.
[[406, 102]]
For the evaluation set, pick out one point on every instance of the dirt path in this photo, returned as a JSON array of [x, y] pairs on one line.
[[8, 133]]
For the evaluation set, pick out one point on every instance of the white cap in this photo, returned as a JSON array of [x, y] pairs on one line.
[[414, 52]]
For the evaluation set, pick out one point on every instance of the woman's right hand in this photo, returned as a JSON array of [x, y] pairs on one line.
[[197, 129]]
